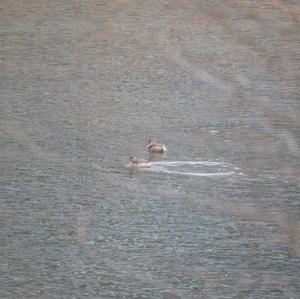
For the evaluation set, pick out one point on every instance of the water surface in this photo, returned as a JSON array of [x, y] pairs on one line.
[[84, 84]]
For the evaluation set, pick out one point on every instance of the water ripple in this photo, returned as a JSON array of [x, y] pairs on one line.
[[194, 168]]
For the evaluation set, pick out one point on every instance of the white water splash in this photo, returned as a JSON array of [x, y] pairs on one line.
[[218, 168], [182, 163]]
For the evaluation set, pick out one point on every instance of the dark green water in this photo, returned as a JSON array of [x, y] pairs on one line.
[[84, 84]]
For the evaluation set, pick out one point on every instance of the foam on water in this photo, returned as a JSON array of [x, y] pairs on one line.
[[202, 168], [182, 163], [196, 173]]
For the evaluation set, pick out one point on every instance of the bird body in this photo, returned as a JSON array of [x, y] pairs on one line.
[[154, 147], [135, 162]]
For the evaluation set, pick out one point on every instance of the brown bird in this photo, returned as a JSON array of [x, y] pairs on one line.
[[154, 147], [135, 162]]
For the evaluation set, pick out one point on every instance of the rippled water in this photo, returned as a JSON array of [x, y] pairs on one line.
[[84, 84], [190, 168]]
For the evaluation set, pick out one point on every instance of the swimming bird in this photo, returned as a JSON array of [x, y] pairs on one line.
[[154, 147], [135, 162]]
